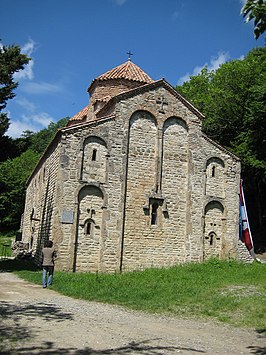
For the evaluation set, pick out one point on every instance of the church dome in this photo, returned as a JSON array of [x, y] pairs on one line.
[[127, 70], [122, 78]]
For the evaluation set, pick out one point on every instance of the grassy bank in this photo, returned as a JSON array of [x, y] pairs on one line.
[[5, 244], [230, 292]]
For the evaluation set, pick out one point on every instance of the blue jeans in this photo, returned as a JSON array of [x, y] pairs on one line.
[[47, 275]]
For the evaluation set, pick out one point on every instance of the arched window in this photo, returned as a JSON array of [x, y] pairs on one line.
[[89, 228], [154, 213], [211, 238], [94, 154], [213, 171]]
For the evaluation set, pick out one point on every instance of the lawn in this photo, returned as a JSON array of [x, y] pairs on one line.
[[5, 245], [227, 291]]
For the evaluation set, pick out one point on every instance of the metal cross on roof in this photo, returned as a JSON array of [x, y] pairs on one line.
[[129, 55]]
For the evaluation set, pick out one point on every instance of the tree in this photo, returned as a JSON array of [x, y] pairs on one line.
[[11, 61], [13, 175], [233, 100], [14, 172], [197, 89], [41, 139], [255, 9]]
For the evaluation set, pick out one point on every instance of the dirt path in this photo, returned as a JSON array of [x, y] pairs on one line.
[[42, 321]]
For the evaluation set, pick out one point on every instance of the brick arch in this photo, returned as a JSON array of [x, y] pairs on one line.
[[214, 203], [94, 138], [142, 114], [175, 120], [216, 159], [92, 186]]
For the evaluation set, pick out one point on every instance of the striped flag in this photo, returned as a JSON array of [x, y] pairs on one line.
[[244, 229]]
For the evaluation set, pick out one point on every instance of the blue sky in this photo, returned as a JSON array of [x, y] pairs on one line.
[[71, 42]]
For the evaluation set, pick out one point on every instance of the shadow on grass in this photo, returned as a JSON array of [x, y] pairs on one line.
[[10, 265]]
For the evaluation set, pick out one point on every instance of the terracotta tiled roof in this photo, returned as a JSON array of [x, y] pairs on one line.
[[127, 70], [80, 116]]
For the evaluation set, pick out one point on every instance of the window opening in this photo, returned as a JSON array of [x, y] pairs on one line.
[[94, 153], [88, 228], [154, 213], [213, 171], [212, 235]]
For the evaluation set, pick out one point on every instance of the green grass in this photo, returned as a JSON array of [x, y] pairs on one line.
[[229, 292], [5, 244]]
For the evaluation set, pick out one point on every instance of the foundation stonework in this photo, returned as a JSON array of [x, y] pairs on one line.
[[132, 182]]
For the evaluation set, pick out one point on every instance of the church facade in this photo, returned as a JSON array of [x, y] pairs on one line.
[[132, 182]]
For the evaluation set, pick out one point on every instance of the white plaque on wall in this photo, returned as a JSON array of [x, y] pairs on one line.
[[67, 216]]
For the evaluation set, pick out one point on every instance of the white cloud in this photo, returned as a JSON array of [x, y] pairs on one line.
[[41, 119], [29, 47], [42, 88], [27, 72], [214, 64], [31, 120], [219, 60], [26, 104], [34, 123], [17, 127]]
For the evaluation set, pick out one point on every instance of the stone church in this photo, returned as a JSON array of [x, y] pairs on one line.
[[132, 182]]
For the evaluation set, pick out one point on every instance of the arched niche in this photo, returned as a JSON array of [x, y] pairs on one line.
[[94, 159], [215, 181], [175, 139], [175, 165], [89, 227], [214, 229], [142, 150]]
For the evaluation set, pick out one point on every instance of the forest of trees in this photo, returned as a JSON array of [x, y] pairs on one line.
[[232, 98]]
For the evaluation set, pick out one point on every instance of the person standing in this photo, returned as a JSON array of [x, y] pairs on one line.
[[48, 255]]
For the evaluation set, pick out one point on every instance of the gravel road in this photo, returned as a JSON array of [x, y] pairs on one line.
[[41, 321]]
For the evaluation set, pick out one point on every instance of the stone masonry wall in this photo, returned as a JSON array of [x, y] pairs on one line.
[[41, 202], [141, 188], [186, 157], [92, 195]]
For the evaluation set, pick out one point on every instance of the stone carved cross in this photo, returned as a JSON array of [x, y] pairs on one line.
[[161, 101]]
